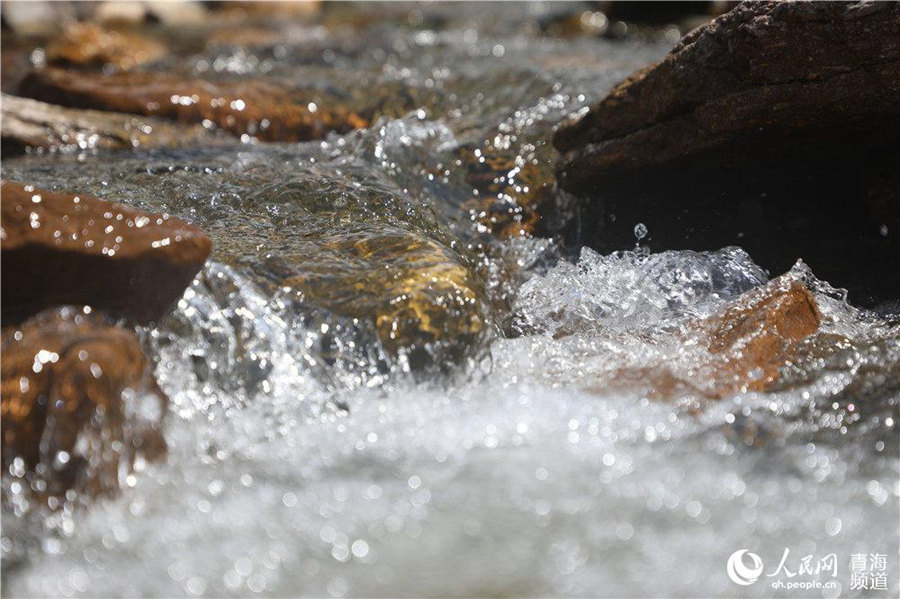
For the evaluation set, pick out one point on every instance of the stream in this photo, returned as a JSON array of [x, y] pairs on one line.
[[305, 458]]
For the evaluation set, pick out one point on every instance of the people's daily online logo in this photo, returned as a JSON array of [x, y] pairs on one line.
[[744, 567], [868, 571]]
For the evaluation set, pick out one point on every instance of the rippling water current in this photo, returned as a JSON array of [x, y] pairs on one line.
[[521, 471]]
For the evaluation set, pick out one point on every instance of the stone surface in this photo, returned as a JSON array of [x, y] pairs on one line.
[[753, 338], [793, 73], [744, 347], [256, 108], [79, 403], [29, 124], [775, 127], [89, 45], [370, 256], [60, 248]]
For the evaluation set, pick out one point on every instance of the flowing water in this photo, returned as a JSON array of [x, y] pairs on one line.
[[307, 458]]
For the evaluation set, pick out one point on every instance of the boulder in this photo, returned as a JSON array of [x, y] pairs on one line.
[[89, 45], [790, 72], [79, 403], [256, 108], [759, 129], [28, 124], [60, 248]]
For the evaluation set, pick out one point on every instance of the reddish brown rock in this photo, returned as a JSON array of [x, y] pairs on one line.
[[795, 73], [263, 110], [59, 248], [756, 336], [79, 403], [89, 45], [747, 344]]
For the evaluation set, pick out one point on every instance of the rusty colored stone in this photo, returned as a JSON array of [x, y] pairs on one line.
[[59, 248], [747, 344], [754, 337], [263, 110], [89, 45], [79, 402]]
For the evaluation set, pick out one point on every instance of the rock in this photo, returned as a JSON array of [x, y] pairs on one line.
[[89, 45], [368, 256], [244, 10], [755, 337], [79, 403], [36, 18], [755, 130], [762, 72], [63, 249], [512, 190], [742, 348], [31, 124], [255, 108]]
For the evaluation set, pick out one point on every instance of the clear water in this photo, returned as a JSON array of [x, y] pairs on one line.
[[296, 470]]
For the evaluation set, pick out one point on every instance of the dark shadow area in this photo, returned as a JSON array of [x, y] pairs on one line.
[[836, 211]]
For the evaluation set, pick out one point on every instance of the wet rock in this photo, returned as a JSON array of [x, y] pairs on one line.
[[80, 406], [744, 347], [30, 124], [756, 336], [60, 249], [364, 254], [255, 108], [755, 130], [512, 190], [89, 45], [766, 68]]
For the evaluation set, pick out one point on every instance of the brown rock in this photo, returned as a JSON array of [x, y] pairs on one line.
[[775, 127], [27, 124], [512, 190], [747, 344], [266, 111], [89, 45], [754, 337], [789, 72], [79, 403], [63, 249]]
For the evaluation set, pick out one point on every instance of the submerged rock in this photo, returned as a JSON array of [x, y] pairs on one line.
[[259, 109], [89, 45], [80, 406], [78, 249], [512, 191], [29, 124], [759, 126], [364, 254]]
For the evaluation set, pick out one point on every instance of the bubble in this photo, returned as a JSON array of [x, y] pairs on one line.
[[640, 231]]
